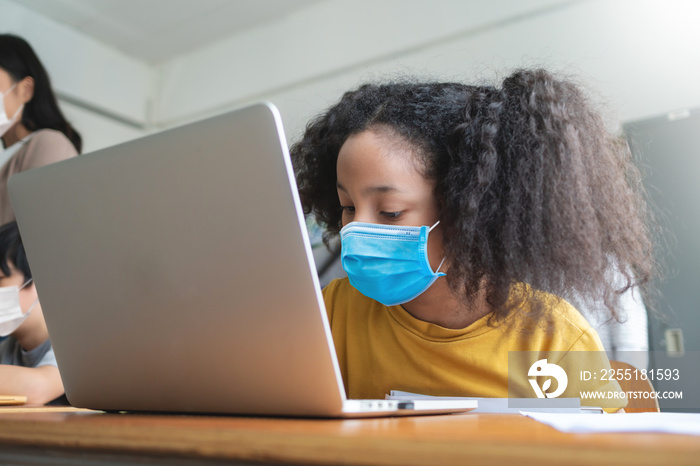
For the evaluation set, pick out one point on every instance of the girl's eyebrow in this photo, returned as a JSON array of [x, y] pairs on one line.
[[372, 189]]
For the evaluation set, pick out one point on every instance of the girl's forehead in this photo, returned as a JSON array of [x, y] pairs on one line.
[[384, 150], [370, 159]]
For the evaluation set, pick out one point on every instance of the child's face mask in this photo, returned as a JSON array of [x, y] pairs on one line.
[[387, 263], [11, 315]]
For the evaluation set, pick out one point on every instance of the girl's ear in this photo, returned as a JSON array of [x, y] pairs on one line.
[[26, 89]]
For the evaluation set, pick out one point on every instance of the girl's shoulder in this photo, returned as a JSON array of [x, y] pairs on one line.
[[550, 321], [563, 311], [557, 310], [563, 327]]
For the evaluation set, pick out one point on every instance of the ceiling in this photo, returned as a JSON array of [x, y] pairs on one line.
[[156, 30]]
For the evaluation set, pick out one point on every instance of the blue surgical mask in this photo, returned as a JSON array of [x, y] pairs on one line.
[[388, 263]]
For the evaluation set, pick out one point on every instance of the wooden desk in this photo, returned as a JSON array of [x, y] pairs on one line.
[[55, 437]]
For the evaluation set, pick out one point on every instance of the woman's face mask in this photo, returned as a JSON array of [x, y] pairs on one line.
[[11, 315], [5, 122]]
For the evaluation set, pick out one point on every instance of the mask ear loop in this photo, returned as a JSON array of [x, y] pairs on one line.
[[37, 298], [9, 90], [27, 283], [443, 259], [3, 94], [441, 262], [36, 301]]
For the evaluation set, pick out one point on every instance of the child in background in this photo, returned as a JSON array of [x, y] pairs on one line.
[[27, 362], [463, 212]]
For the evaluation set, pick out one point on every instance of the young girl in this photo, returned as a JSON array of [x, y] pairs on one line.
[[463, 212]]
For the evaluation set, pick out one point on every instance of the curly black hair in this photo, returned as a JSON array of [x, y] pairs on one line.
[[532, 187]]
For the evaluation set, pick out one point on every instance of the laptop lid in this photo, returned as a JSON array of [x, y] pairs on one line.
[[175, 273]]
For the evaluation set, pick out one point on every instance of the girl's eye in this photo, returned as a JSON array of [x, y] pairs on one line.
[[392, 214], [347, 208]]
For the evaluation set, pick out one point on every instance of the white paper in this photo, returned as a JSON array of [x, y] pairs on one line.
[[672, 423]]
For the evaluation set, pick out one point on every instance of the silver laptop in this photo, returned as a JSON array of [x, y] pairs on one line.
[[176, 274]]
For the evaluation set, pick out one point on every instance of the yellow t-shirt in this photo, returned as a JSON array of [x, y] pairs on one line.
[[383, 348]]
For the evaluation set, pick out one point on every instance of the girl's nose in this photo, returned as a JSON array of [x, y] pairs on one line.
[[363, 216]]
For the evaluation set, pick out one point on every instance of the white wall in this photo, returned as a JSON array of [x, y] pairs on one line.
[[97, 130], [641, 56], [327, 41]]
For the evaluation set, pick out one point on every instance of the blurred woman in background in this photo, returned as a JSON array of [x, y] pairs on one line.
[[34, 132]]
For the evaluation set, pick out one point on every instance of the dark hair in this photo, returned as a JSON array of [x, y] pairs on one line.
[[532, 187], [18, 58], [12, 251]]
